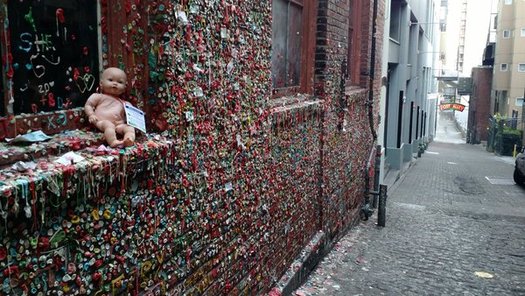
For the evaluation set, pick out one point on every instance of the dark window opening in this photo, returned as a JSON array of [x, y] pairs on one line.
[[293, 44], [424, 131], [400, 118], [354, 43], [395, 18], [52, 55], [496, 102], [287, 30], [514, 119], [422, 126], [411, 122]]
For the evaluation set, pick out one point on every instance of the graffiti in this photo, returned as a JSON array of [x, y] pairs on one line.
[[44, 43], [26, 44], [44, 53], [44, 88], [85, 82]]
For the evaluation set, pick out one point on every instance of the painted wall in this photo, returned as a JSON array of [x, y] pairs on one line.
[[410, 80]]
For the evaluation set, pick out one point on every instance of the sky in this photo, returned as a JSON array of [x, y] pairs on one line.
[[477, 28], [478, 23]]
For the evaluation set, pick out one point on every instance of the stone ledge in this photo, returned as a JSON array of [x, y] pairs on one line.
[[287, 112], [66, 141], [302, 266], [82, 177], [353, 91], [317, 248], [292, 102]]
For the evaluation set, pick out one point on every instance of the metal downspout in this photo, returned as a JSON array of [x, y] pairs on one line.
[[370, 102], [366, 209]]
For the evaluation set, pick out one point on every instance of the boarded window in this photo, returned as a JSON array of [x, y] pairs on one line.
[[53, 54], [354, 43], [287, 29]]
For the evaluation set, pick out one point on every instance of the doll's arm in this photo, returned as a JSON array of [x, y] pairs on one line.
[[89, 107]]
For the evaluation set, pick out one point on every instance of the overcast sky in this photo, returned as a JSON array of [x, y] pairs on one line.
[[478, 22]]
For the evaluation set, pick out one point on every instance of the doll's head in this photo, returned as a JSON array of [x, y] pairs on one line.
[[113, 81]]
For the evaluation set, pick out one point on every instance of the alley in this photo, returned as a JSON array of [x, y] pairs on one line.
[[455, 226]]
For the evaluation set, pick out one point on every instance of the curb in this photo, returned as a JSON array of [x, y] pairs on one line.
[[302, 266]]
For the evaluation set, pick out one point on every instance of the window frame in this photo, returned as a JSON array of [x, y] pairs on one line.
[[109, 23], [519, 99], [355, 39], [508, 2], [507, 34], [306, 74], [504, 67], [521, 67], [522, 32], [395, 27], [6, 49]]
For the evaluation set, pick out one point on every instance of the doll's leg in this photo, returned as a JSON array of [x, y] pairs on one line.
[[109, 132], [129, 134]]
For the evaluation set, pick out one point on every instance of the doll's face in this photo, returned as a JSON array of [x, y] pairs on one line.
[[113, 82]]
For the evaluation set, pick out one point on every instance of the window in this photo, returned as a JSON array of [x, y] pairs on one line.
[[506, 33], [522, 34], [521, 67], [354, 44], [514, 119], [292, 46], [500, 101], [508, 2], [519, 102], [395, 17], [52, 53], [503, 67]]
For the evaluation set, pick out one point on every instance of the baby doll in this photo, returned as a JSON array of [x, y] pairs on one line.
[[106, 110]]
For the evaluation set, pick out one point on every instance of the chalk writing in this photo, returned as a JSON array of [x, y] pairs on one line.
[[47, 42]]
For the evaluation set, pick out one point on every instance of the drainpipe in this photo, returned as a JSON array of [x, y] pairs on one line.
[[370, 102], [366, 209]]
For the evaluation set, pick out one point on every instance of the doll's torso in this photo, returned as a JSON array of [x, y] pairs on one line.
[[111, 109]]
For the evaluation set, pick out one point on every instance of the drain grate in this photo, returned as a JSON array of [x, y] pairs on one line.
[[500, 181]]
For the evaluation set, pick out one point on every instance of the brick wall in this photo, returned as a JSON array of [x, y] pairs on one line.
[[347, 139], [479, 106], [224, 199]]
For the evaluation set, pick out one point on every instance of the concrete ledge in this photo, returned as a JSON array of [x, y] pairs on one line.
[[301, 267], [86, 175], [318, 247]]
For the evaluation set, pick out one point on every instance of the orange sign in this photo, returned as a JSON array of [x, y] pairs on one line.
[[452, 106]]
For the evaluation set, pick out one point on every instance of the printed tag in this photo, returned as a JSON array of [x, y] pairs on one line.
[[135, 117]]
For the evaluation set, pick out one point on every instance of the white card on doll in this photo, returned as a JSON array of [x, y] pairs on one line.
[[135, 117]]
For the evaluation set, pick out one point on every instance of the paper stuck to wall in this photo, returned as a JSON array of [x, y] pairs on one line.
[[135, 117], [70, 158], [33, 137]]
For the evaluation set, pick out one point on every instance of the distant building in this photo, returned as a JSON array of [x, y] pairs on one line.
[[479, 105], [509, 61]]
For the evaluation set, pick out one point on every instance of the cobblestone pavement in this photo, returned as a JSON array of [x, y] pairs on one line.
[[455, 226]]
